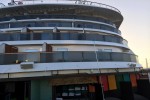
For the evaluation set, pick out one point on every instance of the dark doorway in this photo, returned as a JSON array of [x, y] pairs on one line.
[[71, 92], [15, 90], [78, 92]]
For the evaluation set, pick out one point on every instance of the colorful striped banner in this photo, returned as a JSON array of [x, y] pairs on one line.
[[104, 82], [112, 82], [133, 80]]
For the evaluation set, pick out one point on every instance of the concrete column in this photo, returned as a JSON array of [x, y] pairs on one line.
[[41, 90], [35, 90]]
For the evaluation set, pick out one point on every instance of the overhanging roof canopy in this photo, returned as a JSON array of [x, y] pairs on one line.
[[72, 9]]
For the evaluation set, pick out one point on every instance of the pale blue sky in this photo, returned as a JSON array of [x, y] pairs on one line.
[[136, 25]]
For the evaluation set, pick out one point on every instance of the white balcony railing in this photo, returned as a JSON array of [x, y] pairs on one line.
[[82, 2]]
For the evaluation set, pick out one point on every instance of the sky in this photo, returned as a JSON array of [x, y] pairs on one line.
[[135, 27]]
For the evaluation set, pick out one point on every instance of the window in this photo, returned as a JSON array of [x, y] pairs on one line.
[[52, 24], [36, 36], [79, 25], [31, 50], [108, 38], [46, 36], [107, 50], [72, 91], [4, 25], [66, 24], [39, 24], [14, 37], [25, 36], [89, 26], [62, 49], [59, 24], [65, 36], [29, 24], [99, 50], [4, 37]]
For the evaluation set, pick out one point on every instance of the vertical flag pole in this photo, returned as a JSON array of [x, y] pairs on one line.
[[99, 70]]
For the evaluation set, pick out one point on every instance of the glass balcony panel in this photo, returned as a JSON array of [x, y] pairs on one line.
[[36, 36], [99, 37], [4, 37], [126, 57], [114, 39], [66, 24], [91, 25], [91, 37], [94, 37], [74, 36], [2, 59], [10, 58], [58, 56], [53, 24], [29, 24], [40, 24], [117, 56], [79, 24], [104, 56], [25, 36], [81, 36], [133, 58], [4, 25], [14, 37], [119, 40], [46, 36], [73, 56], [124, 42], [46, 57], [29, 57], [46, 16], [65, 36], [108, 38], [16, 25], [89, 56], [58, 36], [58, 24]]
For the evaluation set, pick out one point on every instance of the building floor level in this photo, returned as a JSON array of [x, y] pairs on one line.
[[76, 88]]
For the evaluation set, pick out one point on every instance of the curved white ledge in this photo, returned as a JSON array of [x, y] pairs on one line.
[[66, 20], [64, 28], [72, 42], [39, 67], [66, 2]]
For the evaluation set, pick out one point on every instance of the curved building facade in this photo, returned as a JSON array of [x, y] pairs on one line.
[[62, 50]]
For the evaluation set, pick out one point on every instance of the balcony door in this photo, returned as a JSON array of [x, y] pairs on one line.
[[10, 49], [47, 47]]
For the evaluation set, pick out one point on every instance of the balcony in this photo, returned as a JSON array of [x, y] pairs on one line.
[[68, 56], [62, 23], [84, 2], [59, 36], [51, 16]]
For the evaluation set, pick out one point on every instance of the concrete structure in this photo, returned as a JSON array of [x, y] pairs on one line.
[[63, 50]]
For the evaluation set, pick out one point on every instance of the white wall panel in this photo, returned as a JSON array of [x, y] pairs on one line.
[[87, 48], [30, 47]]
